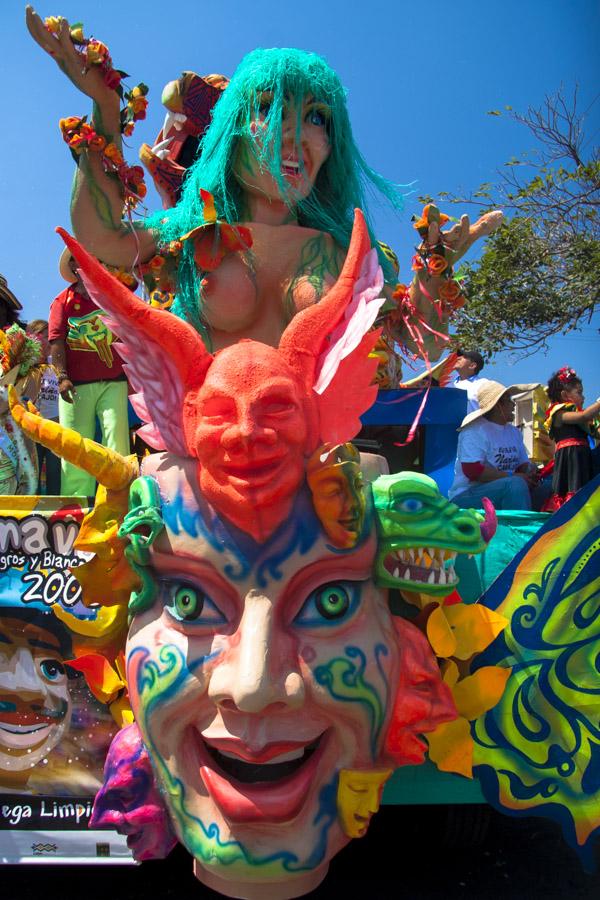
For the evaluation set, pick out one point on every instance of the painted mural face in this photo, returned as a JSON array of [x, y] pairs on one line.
[[302, 155], [35, 704], [251, 437], [258, 673]]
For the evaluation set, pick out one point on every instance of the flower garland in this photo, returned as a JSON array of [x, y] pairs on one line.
[[80, 135]]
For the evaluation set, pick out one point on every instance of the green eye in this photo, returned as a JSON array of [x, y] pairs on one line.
[[330, 605], [332, 601], [188, 603]]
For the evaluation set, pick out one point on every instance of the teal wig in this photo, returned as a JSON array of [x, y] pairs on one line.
[[287, 75]]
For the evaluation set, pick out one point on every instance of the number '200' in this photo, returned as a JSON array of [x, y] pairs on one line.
[[58, 587]]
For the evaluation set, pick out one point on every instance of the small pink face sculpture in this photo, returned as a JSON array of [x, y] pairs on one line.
[[251, 436], [129, 800]]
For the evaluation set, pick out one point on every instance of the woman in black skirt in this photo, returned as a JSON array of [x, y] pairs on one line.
[[570, 426]]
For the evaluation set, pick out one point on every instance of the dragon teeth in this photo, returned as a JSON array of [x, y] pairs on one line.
[[431, 579], [396, 572], [442, 578], [407, 575]]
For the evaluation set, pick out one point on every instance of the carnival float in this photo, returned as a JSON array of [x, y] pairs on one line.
[[278, 625]]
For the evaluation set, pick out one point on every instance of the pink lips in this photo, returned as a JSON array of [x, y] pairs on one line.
[[278, 801]]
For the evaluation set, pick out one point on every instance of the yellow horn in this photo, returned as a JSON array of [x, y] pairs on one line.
[[108, 467]]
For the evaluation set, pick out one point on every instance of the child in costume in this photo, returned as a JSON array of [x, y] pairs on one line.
[[266, 211], [570, 425]]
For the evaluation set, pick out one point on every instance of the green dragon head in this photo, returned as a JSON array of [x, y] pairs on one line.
[[421, 533]]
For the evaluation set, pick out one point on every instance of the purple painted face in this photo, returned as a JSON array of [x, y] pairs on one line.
[[129, 800]]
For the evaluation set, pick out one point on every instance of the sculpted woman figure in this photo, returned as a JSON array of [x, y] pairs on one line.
[[279, 158]]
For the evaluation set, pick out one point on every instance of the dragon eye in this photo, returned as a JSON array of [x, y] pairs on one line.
[[330, 604], [411, 505]]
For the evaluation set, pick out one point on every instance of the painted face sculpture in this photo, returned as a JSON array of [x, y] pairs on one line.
[[129, 800], [336, 484], [265, 669], [261, 677]]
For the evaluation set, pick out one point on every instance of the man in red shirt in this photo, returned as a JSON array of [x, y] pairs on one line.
[[91, 380]]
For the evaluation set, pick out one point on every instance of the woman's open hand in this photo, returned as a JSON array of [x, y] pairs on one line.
[[458, 239], [88, 79]]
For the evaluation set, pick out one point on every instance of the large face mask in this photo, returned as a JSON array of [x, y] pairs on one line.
[[258, 675]]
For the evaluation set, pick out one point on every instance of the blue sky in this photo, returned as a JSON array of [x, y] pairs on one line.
[[420, 79]]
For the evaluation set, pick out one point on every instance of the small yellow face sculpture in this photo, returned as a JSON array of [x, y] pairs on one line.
[[359, 798], [336, 484]]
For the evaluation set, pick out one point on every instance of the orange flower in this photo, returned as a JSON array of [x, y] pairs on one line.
[[141, 189], [449, 290], [139, 108], [97, 142], [69, 123], [157, 262], [95, 53], [175, 247], [399, 292], [76, 142], [436, 264], [52, 23], [128, 129], [417, 263], [430, 214], [112, 152]]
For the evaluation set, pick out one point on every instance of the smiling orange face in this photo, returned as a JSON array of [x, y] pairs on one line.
[[251, 435]]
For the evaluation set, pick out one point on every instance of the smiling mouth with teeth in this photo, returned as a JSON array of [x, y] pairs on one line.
[[268, 786], [432, 567], [261, 772], [290, 167]]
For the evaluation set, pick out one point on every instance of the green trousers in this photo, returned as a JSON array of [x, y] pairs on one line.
[[102, 400]]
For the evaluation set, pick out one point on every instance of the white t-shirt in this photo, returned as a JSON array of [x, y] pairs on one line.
[[47, 399], [471, 386], [500, 446]]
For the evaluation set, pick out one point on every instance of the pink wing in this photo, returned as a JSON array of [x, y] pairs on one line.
[[158, 400], [359, 316], [344, 372], [350, 393]]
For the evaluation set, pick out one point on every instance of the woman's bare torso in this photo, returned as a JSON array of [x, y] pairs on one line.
[[254, 294]]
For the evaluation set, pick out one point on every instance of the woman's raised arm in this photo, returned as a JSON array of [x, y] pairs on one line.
[[97, 200]]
